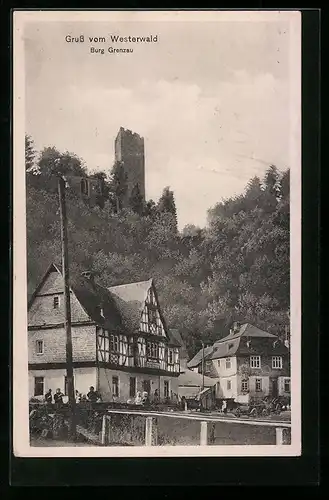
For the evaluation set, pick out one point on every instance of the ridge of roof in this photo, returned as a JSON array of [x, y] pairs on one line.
[[246, 330], [188, 377], [198, 357]]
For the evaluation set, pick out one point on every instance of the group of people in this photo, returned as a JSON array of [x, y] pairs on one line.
[[143, 398], [92, 396]]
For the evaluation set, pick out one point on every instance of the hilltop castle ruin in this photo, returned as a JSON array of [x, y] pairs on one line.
[[129, 150]]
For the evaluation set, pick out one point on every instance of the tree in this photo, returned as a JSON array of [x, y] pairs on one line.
[[150, 209], [118, 184], [30, 154], [136, 200], [167, 204], [103, 187]]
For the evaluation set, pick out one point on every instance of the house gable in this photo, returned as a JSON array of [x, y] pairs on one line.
[[152, 320], [46, 306]]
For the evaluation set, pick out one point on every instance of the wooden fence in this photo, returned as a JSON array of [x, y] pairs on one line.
[[156, 429]]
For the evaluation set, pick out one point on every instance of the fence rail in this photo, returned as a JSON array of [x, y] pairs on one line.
[[156, 424]]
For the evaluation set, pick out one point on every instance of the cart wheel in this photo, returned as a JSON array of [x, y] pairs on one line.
[[265, 412], [253, 412]]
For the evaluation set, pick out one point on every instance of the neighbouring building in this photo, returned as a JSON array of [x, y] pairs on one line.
[[249, 363], [120, 340], [129, 150], [193, 385]]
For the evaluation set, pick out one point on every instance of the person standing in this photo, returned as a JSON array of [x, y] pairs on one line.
[[77, 397], [138, 398], [93, 395], [49, 397], [58, 398], [156, 398]]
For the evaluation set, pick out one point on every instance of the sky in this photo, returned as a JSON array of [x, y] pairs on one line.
[[211, 100]]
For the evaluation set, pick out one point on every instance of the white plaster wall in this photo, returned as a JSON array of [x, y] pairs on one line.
[[53, 379]]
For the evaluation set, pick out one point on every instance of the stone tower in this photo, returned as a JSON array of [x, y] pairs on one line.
[[129, 149]]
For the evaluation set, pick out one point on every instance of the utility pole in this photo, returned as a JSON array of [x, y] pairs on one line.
[[202, 364], [67, 308]]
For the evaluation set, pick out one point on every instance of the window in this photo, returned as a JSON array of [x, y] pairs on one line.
[[230, 346], [39, 346], [166, 388], [152, 319], [132, 387], [258, 384], [254, 361], [208, 366], [244, 386], [170, 357], [287, 385], [56, 302], [38, 386], [115, 386], [277, 362], [229, 385], [152, 350], [114, 343], [228, 363]]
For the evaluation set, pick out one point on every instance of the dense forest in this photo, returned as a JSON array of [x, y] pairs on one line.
[[235, 269]]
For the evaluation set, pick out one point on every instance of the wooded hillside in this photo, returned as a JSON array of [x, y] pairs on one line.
[[237, 268]]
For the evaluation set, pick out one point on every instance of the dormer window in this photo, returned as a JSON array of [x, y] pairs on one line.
[[56, 302]]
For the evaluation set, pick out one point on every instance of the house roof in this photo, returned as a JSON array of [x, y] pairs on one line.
[[192, 379], [225, 349], [246, 330], [134, 293], [229, 345], [198, 357], [130, 300], [121, 305]]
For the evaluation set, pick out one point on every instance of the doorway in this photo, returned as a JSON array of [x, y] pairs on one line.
[[274, 387]]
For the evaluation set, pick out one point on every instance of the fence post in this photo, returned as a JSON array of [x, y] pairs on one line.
[[148, 431], [279, 436], [155, 431], [212, 437], [109, 430], [203, 433], [104, 425]]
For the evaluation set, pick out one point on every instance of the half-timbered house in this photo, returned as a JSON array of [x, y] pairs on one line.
[[121, 343]]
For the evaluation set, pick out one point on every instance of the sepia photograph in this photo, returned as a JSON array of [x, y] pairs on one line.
[[157, 185]]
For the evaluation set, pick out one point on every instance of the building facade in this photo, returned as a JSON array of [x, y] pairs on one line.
[[249, 363], [120, 341], [129, 150]]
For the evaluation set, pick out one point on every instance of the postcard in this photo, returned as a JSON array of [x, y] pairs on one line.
[[157, 233]]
